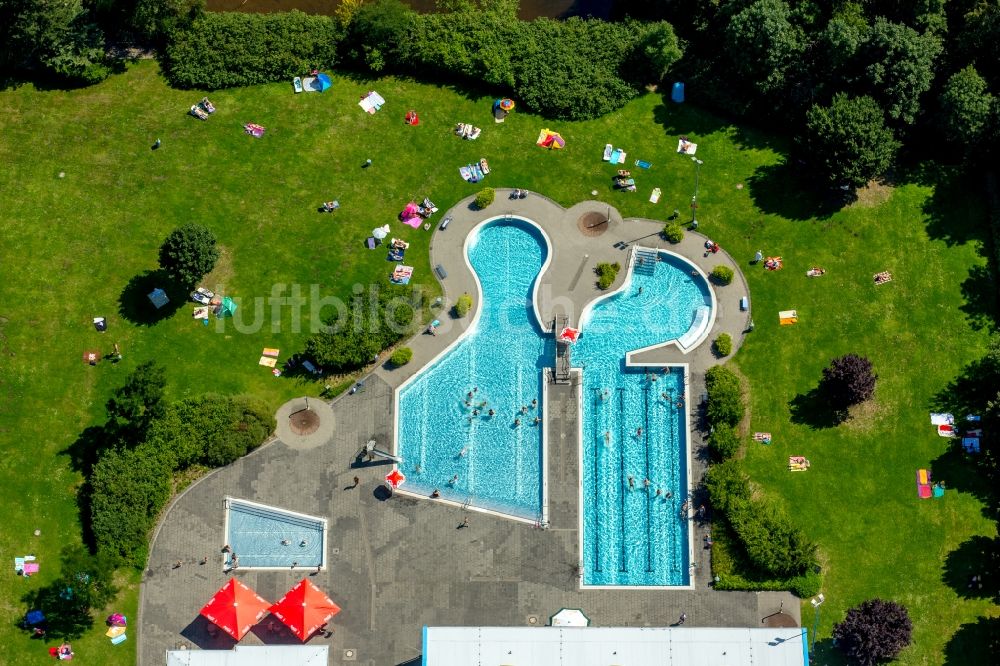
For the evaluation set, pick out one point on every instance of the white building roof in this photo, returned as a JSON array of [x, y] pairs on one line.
[[613, 646], [252, 655]]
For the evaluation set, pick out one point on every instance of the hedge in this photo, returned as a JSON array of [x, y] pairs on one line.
[[723, 344], [229, 49], [725, 565], [725, 397], [606, 274], [463, 305], [724, 441]]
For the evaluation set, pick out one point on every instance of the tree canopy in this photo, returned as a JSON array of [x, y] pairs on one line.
[[874, 632], [189, 253], [848, 140]]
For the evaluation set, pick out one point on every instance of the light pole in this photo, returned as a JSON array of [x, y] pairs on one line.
[[816, 602], [694, 199]]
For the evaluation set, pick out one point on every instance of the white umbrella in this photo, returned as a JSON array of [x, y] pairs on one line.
[[569, 617], [380, 232]]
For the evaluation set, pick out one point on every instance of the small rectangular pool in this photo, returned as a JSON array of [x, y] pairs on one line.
[[266, 537]]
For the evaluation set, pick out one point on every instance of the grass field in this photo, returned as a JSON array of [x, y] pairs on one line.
[[85, 203]]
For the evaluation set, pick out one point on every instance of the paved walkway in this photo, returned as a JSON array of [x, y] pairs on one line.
[[395, 565]]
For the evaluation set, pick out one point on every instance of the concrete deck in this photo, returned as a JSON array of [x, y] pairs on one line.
[[396, 564]]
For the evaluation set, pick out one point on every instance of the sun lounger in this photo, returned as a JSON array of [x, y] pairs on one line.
[[744, 304], [607, 152], [655, 196], [441, 272], [444, 223]]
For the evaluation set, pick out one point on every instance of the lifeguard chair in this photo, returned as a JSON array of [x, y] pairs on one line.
[[412, 118]]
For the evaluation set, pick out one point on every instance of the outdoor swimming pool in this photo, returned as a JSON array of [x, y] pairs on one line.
[[256, 532], [634, 428], [447, 438]]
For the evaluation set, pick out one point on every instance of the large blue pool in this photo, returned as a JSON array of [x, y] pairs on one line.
[[633, 532], [442, 432]]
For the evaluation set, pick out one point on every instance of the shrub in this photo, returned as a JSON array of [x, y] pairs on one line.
[[727, 484], [725, 397], [724, 441], [874, 632], [378, 32], [485, 197], [723, 344], [673, 232], [849, 140], [606, 274], [772, 542], [463, 305], [128, 489], [189, 254], [848, 380], [228, 49], [229, 427], [401, 356], [134, 406], [722, 275]]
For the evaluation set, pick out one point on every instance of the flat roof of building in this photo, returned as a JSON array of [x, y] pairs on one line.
[[253, 655], [613, 646]]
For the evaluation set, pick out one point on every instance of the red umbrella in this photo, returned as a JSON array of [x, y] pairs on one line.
[[304, 608], [235, 608], [395, 478]]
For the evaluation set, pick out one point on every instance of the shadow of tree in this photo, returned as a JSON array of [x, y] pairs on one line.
[[785, 189], [952, 215], [971, 391], [979, 293], [134, 304], [955, 470], [825, 652], [682, 119], [974, 642], [813, 409], [84, 451], [978, 557]]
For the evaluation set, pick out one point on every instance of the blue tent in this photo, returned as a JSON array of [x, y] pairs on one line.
[[159, 298], [323, 81], [677, 94], [34, 617]]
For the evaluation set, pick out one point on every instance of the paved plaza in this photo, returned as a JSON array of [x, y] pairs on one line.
[[395, 564]]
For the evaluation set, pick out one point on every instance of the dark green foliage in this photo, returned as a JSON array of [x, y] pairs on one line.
[[723, 344], [722, 275], [657, 51], [733, 571], [570, 69], [724, 441], [725, 397], [463, 305], [401, 356], [606, 274], [727, 485], [773, 543], [874, 632], [485, 197], [900, 67], [673, 232], [374, 320], [157, 20], [848, 380], [227, 49], [968, 107], [84, 586], [128, 488], [379, 32], [764, 45], [134, 406], [189, 254], [849, 141]]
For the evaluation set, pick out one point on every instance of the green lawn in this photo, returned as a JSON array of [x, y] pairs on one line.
[[82, 245]]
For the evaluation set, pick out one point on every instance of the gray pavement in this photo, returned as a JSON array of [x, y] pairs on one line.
[[397, 564]]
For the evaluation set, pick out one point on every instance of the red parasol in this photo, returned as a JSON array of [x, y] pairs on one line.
[[304, 608], [235, 608], [395, 478]]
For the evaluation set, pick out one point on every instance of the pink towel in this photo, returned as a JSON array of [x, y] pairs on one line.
[[31, 567], [413, 222]]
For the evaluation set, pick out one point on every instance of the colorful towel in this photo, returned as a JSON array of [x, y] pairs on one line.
[[466, 173], [642, 164], [788, 317], [413, 222], [655, 196], [941, 419], [607, 152], [267, 361], [946, 430], [31, 568], [762, 437], [882, 278], [924, 490], [686, 147], [271, 351]]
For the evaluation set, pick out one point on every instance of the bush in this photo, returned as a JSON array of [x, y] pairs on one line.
[[136, 405], [189, 254], [723, 345], [463, 305], [727, 484], [849, 141], [874, 632], [673, 232], [725, 397], [724, 442], [606, 274], [485, 197], [378, 32], [722, 275], [848, 380], [128, 489], [229, 49], [773, 543], [401, 356]]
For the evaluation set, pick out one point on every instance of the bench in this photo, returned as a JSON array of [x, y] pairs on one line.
[[444, 223], [744, 304], [441, 272]]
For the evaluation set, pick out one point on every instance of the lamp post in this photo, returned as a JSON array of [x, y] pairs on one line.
[[694, 199], [816, 602]]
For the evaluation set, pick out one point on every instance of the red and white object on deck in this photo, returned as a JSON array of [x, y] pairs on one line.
[[569, 334]]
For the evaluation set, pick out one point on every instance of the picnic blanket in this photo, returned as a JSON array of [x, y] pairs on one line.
[[882, 278], [798, 463], [371, 102], [686, 147], [254, 130], [402, 274], [607, 152], [267, 361], [941, 418], [788, 317], [924, 490], [413, 221], [655, 196]]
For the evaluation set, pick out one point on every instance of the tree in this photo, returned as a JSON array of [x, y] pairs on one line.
[[57, 36], [485, 197], [157, 20], [900, 67], [377, 32], [85, 584], [849, 140], [874, 632], [722, 275], [967, 106], [659, 50], [848, 380], [764, 45], [134, 406], [725, 397], [189, 254]]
